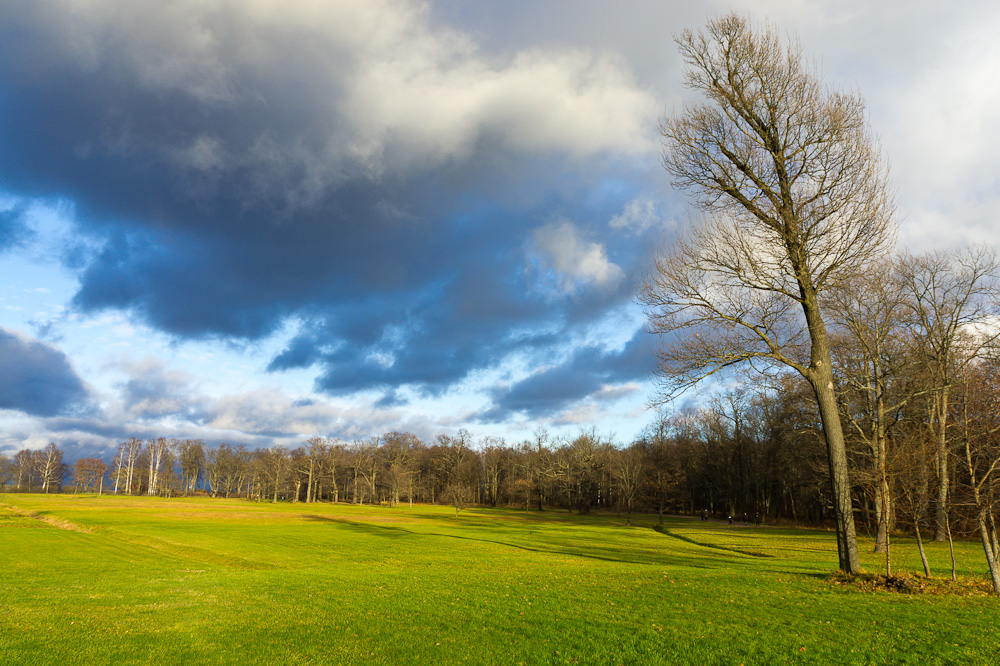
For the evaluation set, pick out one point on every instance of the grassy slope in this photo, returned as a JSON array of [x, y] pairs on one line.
[[216, 581]]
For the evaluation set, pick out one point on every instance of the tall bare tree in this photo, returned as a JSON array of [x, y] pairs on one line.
[[796, 198]]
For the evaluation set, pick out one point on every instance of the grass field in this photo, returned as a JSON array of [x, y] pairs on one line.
[[111, 580]]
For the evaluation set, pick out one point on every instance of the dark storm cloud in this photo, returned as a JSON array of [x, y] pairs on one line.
[[585, 374], [37, 379], [353, 168], [13, 230]]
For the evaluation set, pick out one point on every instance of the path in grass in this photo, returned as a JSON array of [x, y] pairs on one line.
[[148, 580]]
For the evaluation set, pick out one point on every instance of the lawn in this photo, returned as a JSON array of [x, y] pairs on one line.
[[114, 580]]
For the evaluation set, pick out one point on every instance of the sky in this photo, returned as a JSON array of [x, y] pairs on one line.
[[255, 221]]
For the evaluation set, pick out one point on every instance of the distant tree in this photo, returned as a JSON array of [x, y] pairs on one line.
[[24, 468], [191, 456], [89, 473], [51, 469], [156, 449], [227, 468], [495, 457], [125, 461], [315, 450], [397, 456], [336, 453], [7, 471], [271, 469], [458, 495], [628, 469], [366, 469]]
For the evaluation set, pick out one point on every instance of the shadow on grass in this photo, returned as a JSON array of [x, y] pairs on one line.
[[600, 549], [751, 553], [388, 531]]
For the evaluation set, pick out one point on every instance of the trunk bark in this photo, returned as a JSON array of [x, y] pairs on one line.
[[847, 543], [920, 549], [991, 555], [941, 407]]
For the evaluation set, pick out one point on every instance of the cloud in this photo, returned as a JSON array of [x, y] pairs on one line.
[[576, 261], [590, 372], [37, 378], [152, 391], [290, 103], [235, 166], [13, 230], [637, 216]]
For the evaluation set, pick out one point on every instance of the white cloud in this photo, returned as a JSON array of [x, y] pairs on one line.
[[576, 261], [637, 216]]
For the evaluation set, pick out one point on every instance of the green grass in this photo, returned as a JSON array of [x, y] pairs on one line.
[[147, 580]]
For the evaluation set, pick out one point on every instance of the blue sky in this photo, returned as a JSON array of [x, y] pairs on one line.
[[255, 221]]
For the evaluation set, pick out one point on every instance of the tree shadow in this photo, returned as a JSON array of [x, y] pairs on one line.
[[741, 551], [597, 549], [388, 531]]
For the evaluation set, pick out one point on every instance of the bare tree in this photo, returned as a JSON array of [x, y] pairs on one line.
[[125, 462], [628, 467], [50, 467], [796, 198], [980, 419], [953, 298], [156, 448], [89, 473], [191, 454], [495, 458], [872, 356], [7, 470]]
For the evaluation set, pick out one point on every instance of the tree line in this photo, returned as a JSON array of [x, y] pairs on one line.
[[915, 372]]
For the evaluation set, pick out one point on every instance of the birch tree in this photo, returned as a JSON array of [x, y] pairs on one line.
[[796, 199], [50, 467]]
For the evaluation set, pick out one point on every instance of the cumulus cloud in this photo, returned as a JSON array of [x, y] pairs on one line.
[[591, 371], [37, 378], [577, 262], [153, 391], [637, 216]]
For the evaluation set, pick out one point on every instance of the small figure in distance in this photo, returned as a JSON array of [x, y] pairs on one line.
[[730, 519], [744, 517], [756, 519]]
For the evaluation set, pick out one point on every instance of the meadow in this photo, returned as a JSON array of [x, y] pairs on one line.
[[116, 580]]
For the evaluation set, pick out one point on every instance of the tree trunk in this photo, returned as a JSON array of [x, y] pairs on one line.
[[951, 547], [941, 407], [991, 555], [847, 544], [920, 549]]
